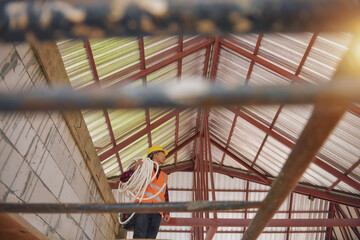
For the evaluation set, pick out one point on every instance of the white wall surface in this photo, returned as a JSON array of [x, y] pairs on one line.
[[39, 160]]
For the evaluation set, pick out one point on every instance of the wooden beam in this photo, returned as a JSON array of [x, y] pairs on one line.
[[50, 60], [13, 226]]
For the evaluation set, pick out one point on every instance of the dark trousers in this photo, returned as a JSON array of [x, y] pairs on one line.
[[146, 225]]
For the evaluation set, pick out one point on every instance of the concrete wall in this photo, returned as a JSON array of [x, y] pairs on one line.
[[39, 159]]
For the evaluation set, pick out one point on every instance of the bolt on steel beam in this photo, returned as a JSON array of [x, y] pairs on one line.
[[98, 19], [125, 207]]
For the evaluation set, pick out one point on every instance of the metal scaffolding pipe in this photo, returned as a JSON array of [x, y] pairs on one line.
[[180, 95], [233, 222], [125, 207], [97, 19]]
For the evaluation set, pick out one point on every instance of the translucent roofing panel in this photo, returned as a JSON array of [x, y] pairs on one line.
[[292, 120], [246, 139], [317, 176], [111, 166], [137, 149], [343, 145], [156, 45], [266, 113], [193, 65], [126, 122], [157, 113], [324, 57], [164, 135], [285, 51], [76, 63], [216, 155], [230, 162], [247, 41], [220, 121], [261, 76], [184, 154], [97, 127], [273, 156], [345, 187], [114, 55], [187, 124], [232, 68], [162, 75], [191, 41]]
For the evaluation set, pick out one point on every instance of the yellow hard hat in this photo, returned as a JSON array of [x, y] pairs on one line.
[[156, 148]]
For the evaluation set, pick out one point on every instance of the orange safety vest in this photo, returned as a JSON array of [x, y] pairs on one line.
[[154, 187]]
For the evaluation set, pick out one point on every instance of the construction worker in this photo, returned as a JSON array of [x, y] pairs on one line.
[[147, 224]]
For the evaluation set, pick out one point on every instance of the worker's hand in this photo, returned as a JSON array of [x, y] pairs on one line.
[[138, 163], [167, 218]]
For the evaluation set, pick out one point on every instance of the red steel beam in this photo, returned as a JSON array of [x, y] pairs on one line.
[[136, 136], [256, 50], [355, 165], [142, 68], [290, 144], [204, 75], [154, 67], [179, 167], [342, 228], [186, 142], [301, 189], [290, 211], [352, 108], [199, 222], [305, 190], [95, 75], [161, 64], [215, 59], [210, 164], [246, 199], [298, 70], [180, 49], [343, 215], [352, 201], [244, 164], [323, 120], [229, 138], [244, 176], [211, 233]]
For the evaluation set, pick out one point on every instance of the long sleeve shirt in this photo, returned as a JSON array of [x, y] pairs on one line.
[[125, 176]]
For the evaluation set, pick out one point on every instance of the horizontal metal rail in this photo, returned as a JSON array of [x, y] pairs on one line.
[[96, 19], [199, 222], [125, 207], [182, 95]]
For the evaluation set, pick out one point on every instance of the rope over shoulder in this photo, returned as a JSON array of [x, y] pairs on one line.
[[136, 186]]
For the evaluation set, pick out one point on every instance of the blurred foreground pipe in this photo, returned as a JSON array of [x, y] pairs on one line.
[[125, 207], [107, 18], [175, 96]]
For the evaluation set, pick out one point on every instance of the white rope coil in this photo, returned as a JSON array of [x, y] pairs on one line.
[[136, 186]]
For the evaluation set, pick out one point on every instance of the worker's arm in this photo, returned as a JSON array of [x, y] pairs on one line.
[[166, 214], [124, 177]]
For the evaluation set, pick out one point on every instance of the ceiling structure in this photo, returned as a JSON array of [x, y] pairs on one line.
[[250, 144]]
